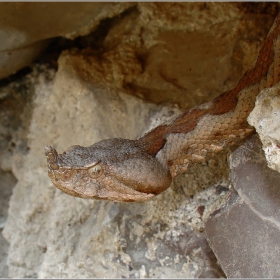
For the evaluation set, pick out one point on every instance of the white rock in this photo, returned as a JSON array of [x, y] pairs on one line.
[[266, 119]]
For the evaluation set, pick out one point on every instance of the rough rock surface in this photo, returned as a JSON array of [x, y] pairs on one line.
[[196, 41], [149, 56], [245, 234], [266, 119]]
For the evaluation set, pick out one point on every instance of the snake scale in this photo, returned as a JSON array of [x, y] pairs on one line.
[[137, 170]]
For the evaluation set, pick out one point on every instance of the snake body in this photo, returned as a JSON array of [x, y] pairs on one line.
[[136, 170]]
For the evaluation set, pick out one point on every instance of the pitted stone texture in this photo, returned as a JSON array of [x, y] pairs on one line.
[[266, 119], [245, 234]]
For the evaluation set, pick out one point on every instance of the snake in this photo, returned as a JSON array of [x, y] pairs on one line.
[[127, 170]]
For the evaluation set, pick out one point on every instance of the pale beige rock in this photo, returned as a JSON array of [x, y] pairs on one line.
[[266, 119]]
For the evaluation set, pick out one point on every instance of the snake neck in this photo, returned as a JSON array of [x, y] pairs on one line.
[[212, 126]]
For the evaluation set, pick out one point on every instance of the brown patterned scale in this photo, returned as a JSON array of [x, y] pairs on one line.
[[136, 170]]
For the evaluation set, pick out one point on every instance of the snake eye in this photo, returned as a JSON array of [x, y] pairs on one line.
[[95, 171]]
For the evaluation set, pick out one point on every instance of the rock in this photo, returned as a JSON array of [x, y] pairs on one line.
[[245, 233], [185, 49], [266, 119], [25, 27], [15, 59], [122, 88], [7, 184], [193, 30]]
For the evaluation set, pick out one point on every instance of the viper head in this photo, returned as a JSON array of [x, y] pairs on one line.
[[113, 169]]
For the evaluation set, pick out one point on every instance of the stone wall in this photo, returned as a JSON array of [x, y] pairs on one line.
[[117, 70]]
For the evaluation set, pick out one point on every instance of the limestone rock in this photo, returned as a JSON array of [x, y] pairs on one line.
[[245, 233], [266, 119]]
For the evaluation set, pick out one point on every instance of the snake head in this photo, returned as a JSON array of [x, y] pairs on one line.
[[113, 169]]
